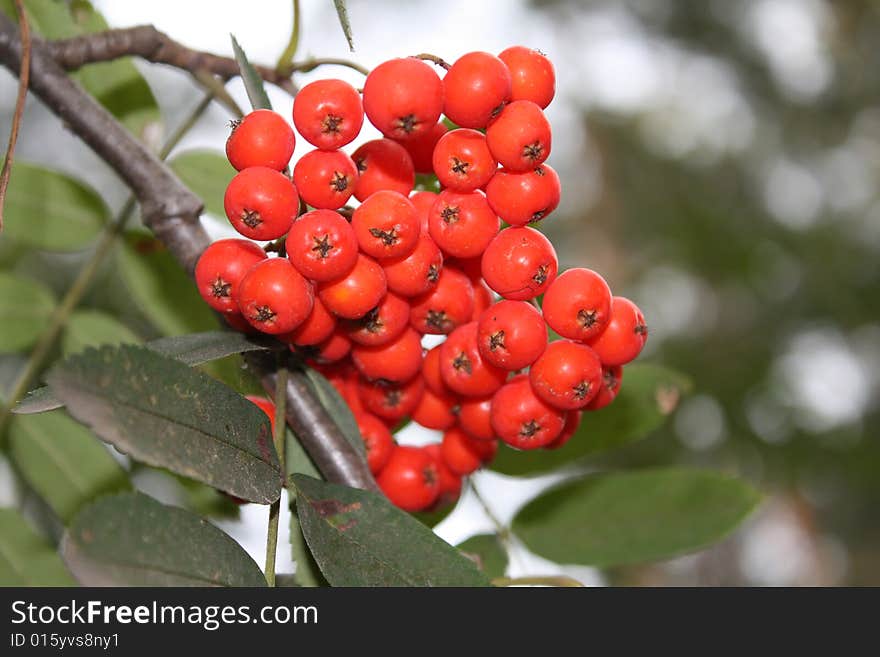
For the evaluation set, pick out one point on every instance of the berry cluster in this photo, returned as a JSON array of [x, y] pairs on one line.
[[356, 289]]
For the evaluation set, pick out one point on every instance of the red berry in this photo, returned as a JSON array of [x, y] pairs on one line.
[[431, 372], [450, 483], [383, 164], [462, 160], [520, 137], [318, 327], [423, 201], [220, 269], [328, 113], [519, 264], [511, 334], [331, 350], [396, 361], [567, 375], [356, 293], [386, 225], [416, 273], [382, 324], [421, 148], [391, 401], [448, 305], [410, 478], [274, 297], [572, 422], [237, 322], [523, 420], [462, 224], [475, 417], [475, 87], [435, 411], [403, 98], [265, 405], [325, 179], [482, 299], [458, 453], [623, 338], [532, 75], [577, 304], [260, 139], [463, 369], [261, 203], [322, 245], [611, 380], [526, 197], [377, 439]]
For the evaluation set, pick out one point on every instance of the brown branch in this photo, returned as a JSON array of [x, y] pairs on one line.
[[147, 42], [172, 211], [24, 75]]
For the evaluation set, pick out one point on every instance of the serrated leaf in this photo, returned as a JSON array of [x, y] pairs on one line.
[[90, 328], [358, 538], [342, 13], [165, 414], [336, 407], [631, 517], [50, 210], [63, 462], [647, 397], [25, 308], [253, 83], [307, 571], [133, 540], [487, 551], [27, 559], [207, 173]]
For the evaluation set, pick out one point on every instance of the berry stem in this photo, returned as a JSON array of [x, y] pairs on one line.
[[278, 439], [500, 528], [439, 61], [312, 63]]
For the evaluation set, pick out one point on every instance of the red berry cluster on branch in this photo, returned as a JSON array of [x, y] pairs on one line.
[[359, 287]]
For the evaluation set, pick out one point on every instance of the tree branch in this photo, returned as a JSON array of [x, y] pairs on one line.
[[172, 212]]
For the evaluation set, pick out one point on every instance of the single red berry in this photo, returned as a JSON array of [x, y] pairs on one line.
[[332, 350], [383, 164], [449, 304], [624, 337], [458, 452], [450, 483], [475, 87], [410, 478], [260, 139], [526, 197], [519, 263], [403, 98], [572, 422], [463, 369], [391, 401], [318, 327], [274, 297], [322, 245], [520, 138], [567, 375], [522, 419], [220, 269], [421, 148], [261, 203], [386, 225], [265, 405], [611, 380], [511, 334], [470, 267], [462, 224], [462, 161], [382, 324], [377, 439], [475, 417], [325, 179], [328, 113], [482, 299], [531, 73], [485, 449], [431, 372], [358, 292], [423, 201], [396, 361], [577, 304], [416, 273], [436, 411]]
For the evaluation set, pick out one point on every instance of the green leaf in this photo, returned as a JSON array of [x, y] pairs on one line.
[[342, 13], [648, 396], [307, 571], [611, 519], [198, 348], [49, 210], [133, 540], [63, 461], [165, 414], [298, 461], [207, 501], [91, 328], [25, 308], [358, 538], [336, 407], [253, 83], [207, 173], [434, 518], [26, 559], [487, 552], [38, 400], [161, 288]]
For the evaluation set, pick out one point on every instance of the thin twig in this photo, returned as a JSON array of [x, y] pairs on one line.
[[24, 74], [439, 61], [278, 439]]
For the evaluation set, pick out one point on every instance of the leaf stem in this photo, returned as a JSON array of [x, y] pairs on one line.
[[549, 580], [285, 61], [23, 80], [280, 424]]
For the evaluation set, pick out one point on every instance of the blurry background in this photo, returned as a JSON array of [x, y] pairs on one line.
[[719, 163]]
